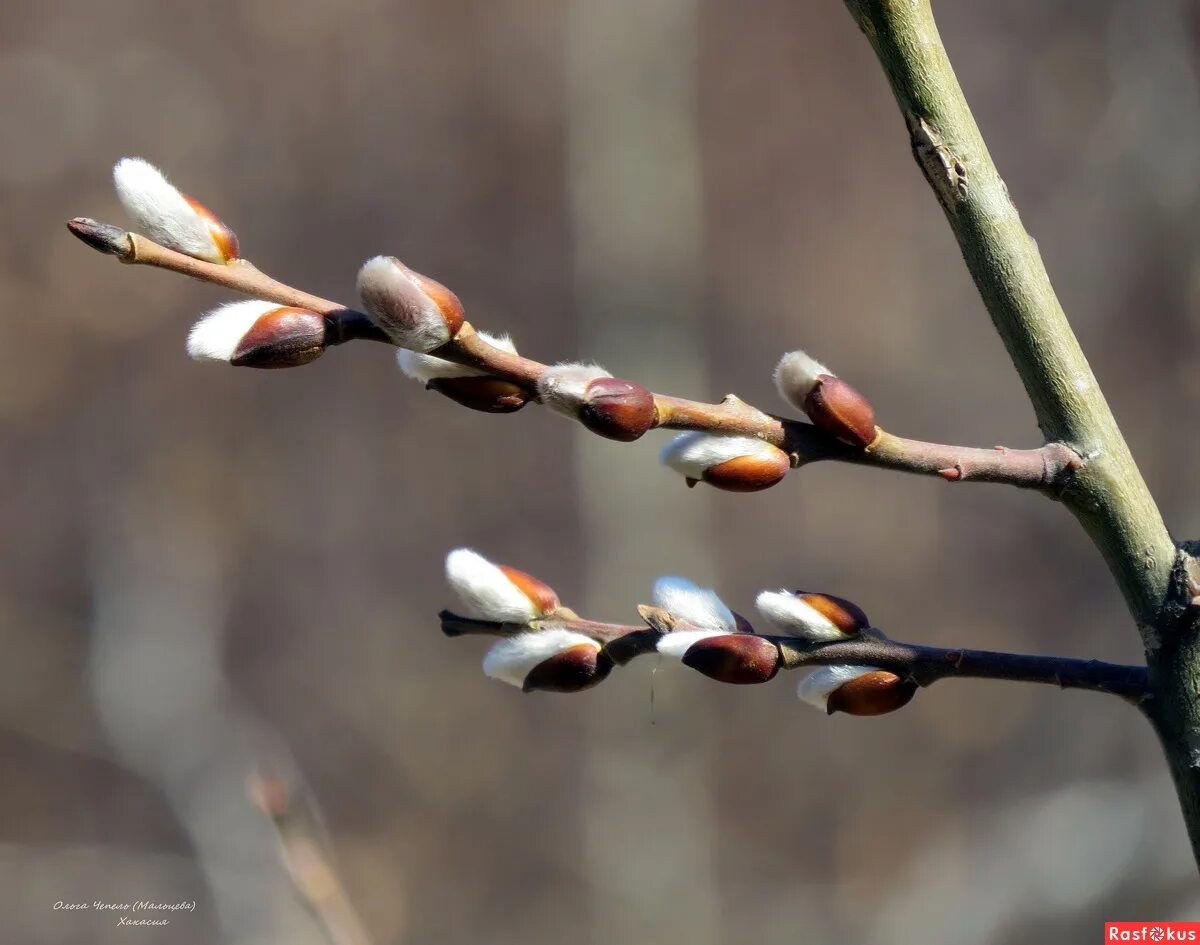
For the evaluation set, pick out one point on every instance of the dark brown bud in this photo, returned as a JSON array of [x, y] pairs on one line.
[[838, 409], [737, 658], [749, 473], [846, 615], [102, 237], [488, 394], [541, 594], [281, 338], [571, 670], [617, 409], [874, 693]]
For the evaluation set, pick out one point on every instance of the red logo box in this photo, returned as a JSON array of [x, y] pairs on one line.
[[1152, 932]]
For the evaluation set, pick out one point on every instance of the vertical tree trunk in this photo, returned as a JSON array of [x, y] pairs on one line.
[[1107, 494]]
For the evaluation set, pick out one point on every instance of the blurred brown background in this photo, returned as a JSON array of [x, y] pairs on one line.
[[205, 567]]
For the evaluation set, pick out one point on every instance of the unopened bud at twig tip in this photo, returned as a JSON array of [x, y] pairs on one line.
[[102, 237]]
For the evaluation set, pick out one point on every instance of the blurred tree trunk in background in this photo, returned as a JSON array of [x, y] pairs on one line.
[[637, 223]]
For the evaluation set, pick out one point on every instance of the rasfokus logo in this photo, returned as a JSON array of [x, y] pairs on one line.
[[1152, 931]]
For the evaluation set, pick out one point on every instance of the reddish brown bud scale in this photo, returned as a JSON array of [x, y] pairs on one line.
[[618, 409], [838, 409], [737, 658], [844, 614], [874, 693], [748, 473], [446, 301], [543, 596], [283, 337], [742, 624], [487, 394], [224, 238], [573, 670]]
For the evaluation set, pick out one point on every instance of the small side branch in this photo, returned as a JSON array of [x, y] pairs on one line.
[[923, 665], [1047, 469], [308, 865]]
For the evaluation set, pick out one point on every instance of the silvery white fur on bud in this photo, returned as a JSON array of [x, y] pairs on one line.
[[425, 367], [678, 642], [486, 592], [399, 304], [161, 212], [793, 616], [562, 386], [690, 454], [796, 375], [216, 336], [816, 687], [698, 606], [513, 659]]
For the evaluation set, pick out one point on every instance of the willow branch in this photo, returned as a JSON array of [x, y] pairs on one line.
[[1107, 494], [1047, 469], [306, 861], [923, 665]]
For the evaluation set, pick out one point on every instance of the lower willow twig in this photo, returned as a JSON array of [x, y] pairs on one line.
[[304, 857], [923, 665], [1045, 469]]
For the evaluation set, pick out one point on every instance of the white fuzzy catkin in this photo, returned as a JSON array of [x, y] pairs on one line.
[[792, 616], [485, 591], [820, 684], [698, 606], [795, 376], [513, 659], [397, 304], [678, 642], [562, 386], [159, 211], [423, 368], [216, 336], [690, 454]]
